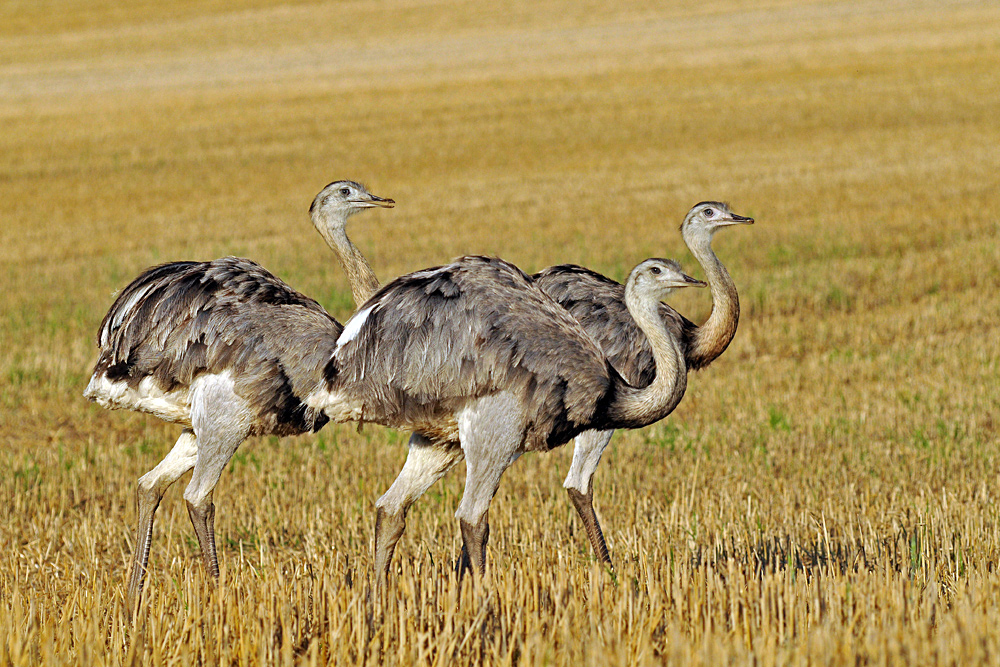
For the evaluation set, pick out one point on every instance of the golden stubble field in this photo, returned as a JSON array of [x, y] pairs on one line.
[[825, 494]]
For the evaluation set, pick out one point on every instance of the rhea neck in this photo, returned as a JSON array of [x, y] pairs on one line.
[[713, 337], [633, 407], [332, 226]]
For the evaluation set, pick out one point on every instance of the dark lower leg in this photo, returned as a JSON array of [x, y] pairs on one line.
[[426, 462], [203, 520], [151, 487], [388, 529], [584, 504], [146, 504], [474, 539]]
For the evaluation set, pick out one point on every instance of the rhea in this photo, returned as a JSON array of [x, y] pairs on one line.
[[227, 350], [476, 358], [598, 303]]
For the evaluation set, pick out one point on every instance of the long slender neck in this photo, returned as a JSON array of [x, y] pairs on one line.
[[363, 280], [632, 407], [713, 337]]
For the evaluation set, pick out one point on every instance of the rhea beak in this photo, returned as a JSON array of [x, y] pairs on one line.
[[739, 220], [686, 281], [379, 201]]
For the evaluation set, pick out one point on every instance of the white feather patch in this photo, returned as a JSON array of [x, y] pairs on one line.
[[427, 273], [173, 406], [353, 327]]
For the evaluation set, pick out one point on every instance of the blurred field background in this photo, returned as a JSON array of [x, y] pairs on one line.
[[824, 495]]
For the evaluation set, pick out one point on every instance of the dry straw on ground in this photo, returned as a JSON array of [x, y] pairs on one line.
[[825, 494]]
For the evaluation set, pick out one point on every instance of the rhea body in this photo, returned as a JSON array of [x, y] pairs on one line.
[[598, 303], [226, 350], [485, 366]]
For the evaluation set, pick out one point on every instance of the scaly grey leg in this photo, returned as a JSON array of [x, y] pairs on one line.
[[492, 436], [151, 488], [221, 422], [586, 455], [425, 464]]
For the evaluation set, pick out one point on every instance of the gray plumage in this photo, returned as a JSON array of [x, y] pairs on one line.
[[598, 303], [436, 338], [180, 320], [483, 365], [227, 350]]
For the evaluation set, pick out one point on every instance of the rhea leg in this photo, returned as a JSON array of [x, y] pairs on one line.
[[425, 464], [492, 436], [586, 455], [198, 495], [151, 488], [475, 536], [221, 421]]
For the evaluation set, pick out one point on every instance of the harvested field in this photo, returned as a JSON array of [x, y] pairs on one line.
[[826, 493]]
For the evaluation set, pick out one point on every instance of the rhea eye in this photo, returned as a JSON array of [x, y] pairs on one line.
[[345, 191], [655, 270], [709, 212]]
